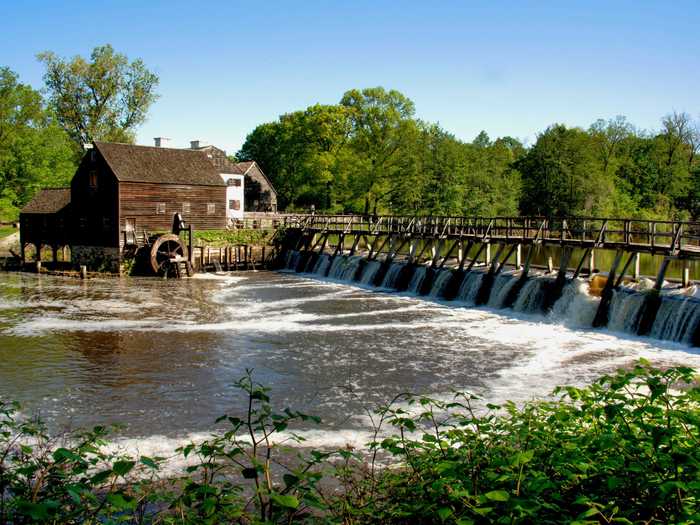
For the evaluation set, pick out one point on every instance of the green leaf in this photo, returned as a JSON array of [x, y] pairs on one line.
[[289, 502], [122, 468], [444, 513], [498, 495]]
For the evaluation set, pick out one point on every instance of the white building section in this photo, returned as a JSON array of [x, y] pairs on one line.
[[234, 195]]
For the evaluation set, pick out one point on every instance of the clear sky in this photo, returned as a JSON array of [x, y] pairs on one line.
[[510, 68]]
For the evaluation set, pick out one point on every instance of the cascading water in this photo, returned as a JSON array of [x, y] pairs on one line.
[[470, 287], [371, 269], [392, 275], [322, 264], [439, 283], [417, 279], [575, 307], [501, 286], [677, 319], [344, 267], [532, 296], [625, 309]]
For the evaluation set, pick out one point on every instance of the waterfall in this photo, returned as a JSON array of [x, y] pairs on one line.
[[392, 275], [531, 297], [669, 316], [417, 279], [470, 286], [576, 306], [291, 259], [501, 287], [322, 264], [344, 267], [371, 269], [440, 282], [625, 310], [677, 319]]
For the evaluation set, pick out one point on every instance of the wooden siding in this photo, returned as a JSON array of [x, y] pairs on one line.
[[139, 201], [52, 229], [95, 209]]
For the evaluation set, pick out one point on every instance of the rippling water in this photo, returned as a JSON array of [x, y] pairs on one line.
[[161, 356]]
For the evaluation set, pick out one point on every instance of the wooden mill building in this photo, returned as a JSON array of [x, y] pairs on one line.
[[121, 190]]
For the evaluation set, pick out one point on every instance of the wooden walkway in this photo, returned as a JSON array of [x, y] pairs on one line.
[[677, 239]]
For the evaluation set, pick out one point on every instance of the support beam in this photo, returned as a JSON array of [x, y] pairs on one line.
[[601, 315], [449, 253], [473, 261], [513, 248], [624, 269], [465, 254], [585, 255]]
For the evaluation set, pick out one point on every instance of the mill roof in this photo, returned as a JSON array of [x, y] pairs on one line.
[[49, 200], [131, 163]]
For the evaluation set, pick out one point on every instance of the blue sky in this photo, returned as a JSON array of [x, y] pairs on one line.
[[510, 68]]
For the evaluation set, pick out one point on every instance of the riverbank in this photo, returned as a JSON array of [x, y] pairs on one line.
[[568, 460]]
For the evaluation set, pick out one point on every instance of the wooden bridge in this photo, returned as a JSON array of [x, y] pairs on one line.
[[439, 239]]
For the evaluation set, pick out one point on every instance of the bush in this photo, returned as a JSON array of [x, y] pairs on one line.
[[622, 450], [228, 237]]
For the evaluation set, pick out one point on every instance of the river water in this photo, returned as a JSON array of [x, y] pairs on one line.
[[160, 356]]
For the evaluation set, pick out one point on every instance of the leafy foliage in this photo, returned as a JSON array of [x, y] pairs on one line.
[[229, 237], [105, 98], [34, 151], [622, 450]]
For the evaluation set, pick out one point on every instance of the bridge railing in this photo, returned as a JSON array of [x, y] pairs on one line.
[[669, 236]]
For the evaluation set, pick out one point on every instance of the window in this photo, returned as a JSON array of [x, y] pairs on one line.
[[160, 208], [211, 208], [235, 181], [234, 205], [93, 179], [186, 208]]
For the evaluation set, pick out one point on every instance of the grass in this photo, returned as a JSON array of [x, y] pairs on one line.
[[229, 237], [6, 231]]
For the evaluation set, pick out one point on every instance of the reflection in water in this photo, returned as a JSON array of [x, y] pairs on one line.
[[160, 356]]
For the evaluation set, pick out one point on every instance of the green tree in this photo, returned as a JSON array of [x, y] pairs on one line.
[[563, 175], [34, 151], [103, 98], [381, 121]]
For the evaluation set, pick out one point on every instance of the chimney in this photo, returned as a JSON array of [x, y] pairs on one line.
[[194, 144], [161, 142]]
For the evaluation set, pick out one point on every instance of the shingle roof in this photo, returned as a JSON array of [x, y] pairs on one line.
[[50, 200], [219, 159], [132, 163]]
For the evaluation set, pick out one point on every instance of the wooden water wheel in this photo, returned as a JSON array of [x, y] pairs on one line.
[[166, 250]]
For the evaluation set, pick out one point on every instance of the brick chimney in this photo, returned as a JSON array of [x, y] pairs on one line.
[[161, 142], [194, 144]]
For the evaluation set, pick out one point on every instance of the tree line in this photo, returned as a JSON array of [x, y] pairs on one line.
[[366, 154], [369, 154]]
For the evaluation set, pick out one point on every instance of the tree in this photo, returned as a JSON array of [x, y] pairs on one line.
[[562, 175], [34, 151], [105, 98], [381, 120]]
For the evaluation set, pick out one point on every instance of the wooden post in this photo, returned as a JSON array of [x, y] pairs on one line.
[[487, 257], [601, 315], [550, 264], [662, 273], [83, 272], [518, 256], [38, 267], [686, 274], [636, 273], [591, 262]]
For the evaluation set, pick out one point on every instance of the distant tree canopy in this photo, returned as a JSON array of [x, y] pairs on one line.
[[34, 151], [369, 154], [104, 98]]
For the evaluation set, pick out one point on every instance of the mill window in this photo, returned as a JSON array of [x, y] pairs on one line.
[[235, 181], [93, 179], [234, 204], [211, 208], [186, 207], [160, 208]]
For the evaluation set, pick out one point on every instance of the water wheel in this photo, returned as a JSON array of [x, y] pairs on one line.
[[164, 250]]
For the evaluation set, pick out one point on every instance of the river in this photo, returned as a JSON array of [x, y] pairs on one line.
[[160, 356]]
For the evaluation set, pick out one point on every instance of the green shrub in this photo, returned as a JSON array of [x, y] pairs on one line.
[[622, 450], [228, 237]]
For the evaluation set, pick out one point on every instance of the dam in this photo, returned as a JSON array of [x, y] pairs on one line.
[[494, 262]]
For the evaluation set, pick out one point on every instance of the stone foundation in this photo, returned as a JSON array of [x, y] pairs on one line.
[[97, 258]]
